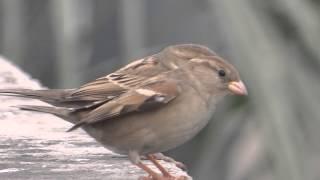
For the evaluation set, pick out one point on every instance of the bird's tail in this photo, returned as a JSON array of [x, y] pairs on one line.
[[43, 94], [64, 113], [55, 97]]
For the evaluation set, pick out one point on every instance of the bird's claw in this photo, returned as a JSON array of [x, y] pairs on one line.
[[160, 156]]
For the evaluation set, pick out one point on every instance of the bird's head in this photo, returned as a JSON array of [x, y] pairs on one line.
[[213, 71], [218, 75]]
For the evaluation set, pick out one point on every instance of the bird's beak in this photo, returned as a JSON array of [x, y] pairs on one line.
[[238, 88]]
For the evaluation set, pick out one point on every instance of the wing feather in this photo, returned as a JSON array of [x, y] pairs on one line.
[[150, 96], [119, 82]]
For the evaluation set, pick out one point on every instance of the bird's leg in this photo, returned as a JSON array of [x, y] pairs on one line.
[[151, 173], [159, 166], [134, 157], [165, 173], [160, 156]]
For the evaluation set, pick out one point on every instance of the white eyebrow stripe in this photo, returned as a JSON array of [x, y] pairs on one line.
[[146, 92], [198, 60], [174, 66]]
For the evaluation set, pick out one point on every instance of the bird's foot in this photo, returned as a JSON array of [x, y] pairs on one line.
[[165, 175], [160, 156]]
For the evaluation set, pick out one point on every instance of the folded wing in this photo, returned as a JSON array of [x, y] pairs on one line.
[[149, 96]]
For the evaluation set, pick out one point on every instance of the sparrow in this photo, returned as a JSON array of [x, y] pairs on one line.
[[149, 106]]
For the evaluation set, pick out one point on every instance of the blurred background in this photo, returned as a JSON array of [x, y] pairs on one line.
[[275, 44]]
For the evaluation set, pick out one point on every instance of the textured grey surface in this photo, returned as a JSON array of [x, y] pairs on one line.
[[36, 146]]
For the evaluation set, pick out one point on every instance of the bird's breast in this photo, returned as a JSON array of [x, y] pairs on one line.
[[157, 130]]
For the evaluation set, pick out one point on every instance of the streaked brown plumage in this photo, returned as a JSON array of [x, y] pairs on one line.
[[149, 106]]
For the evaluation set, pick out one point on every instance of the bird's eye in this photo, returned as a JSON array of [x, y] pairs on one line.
[[221, 73]]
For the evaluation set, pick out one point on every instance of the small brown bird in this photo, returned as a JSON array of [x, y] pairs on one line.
[[151, 105]]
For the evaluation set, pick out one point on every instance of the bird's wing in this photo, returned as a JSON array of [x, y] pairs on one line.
[[99, 91], [106, 87], [151, 95], [119, 82]]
